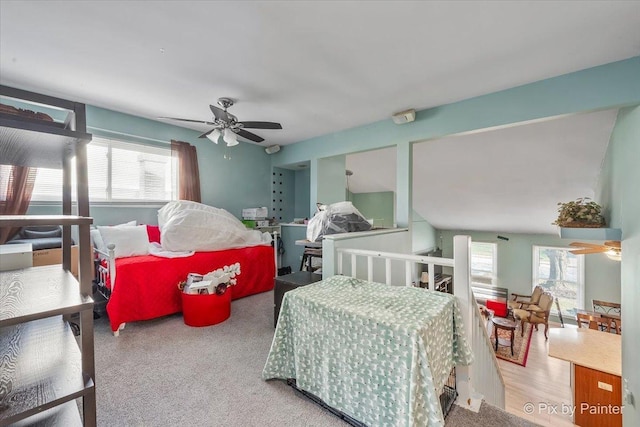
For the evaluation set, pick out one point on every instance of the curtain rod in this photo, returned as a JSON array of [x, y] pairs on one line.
[[127, 134]]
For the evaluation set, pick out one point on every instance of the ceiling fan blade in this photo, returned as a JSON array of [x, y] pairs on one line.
[[613, 244], [219, 113], [584, 245], [261, 125], [588, 251], [186, 120], [248, 135]]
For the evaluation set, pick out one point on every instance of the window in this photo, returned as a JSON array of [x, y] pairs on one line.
[[484, 262], [561, 273], [118, 171]]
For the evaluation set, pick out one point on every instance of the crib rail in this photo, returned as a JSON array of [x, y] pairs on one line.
[[410, 264]]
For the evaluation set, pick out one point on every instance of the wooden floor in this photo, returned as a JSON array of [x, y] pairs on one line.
[[543, 383]]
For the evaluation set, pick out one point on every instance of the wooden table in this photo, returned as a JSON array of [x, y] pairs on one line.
[[507, 325]]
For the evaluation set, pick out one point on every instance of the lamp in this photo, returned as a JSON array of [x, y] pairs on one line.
[[214, 135], [230, 138]]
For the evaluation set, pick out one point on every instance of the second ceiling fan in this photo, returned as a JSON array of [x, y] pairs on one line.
[[611, 248], [227, 125]]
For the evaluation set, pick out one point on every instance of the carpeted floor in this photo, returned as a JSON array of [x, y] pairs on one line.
[[164, 373]]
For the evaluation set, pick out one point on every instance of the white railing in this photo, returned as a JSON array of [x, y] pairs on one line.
[[481, 380], [410, 263], [487, 378]]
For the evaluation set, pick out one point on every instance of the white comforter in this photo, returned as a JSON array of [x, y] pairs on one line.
[[191, 226]]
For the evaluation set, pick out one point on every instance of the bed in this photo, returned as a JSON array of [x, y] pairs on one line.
[[140, 267], [146, 287], [379, 354]]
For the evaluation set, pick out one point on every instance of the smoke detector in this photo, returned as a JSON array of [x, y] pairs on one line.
[[403, 117]]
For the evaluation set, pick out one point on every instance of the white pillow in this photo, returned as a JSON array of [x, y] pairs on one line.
[[98, 241], [129, 240]]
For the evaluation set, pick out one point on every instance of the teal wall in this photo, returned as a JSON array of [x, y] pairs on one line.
[[618, 192], [515, 263], [283, 194], [302, 195], [293, 253], [331, 180], [378, 206], [240, 180]]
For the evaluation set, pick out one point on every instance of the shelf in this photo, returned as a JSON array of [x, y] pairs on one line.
[[66, 415], [39, 292], [23, 220], [590, 233], [28, 142], [41, 368]]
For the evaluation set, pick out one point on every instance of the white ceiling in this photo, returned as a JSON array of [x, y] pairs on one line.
[[321, 67], [316, 67]]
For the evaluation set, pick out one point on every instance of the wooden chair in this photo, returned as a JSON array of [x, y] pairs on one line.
[[606, 307], [536, 313], [588, 321], [522, 301], [611, 325]]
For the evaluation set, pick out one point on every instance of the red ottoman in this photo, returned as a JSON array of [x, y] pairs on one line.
[[499, 308], [206, 310]]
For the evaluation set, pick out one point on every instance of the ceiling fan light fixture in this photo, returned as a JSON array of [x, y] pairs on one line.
[[614, 255], [214, 136], [230, 138]]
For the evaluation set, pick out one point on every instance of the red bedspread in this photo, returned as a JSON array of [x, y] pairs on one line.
[[147, 286]]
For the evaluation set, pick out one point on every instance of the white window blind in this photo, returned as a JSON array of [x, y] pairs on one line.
[[118, 171], [484, 262]]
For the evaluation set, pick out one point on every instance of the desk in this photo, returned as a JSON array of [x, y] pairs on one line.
[[308, 244], [311, 250], [596, 369]]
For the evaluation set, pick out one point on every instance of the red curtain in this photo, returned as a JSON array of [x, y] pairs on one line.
[[15, 195], [188, 172]]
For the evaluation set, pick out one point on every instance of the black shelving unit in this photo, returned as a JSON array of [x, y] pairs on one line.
[[45, 368]]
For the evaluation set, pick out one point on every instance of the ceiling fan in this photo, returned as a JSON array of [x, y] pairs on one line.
[[611, 248], [227, 125]]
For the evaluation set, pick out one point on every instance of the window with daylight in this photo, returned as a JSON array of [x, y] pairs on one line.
[[484, 261], [560, 273], [118, 172]]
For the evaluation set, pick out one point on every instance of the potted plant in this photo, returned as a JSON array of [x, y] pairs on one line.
[[580, 213]]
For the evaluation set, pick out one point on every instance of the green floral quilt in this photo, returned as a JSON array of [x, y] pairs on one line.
[[379, 353]]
